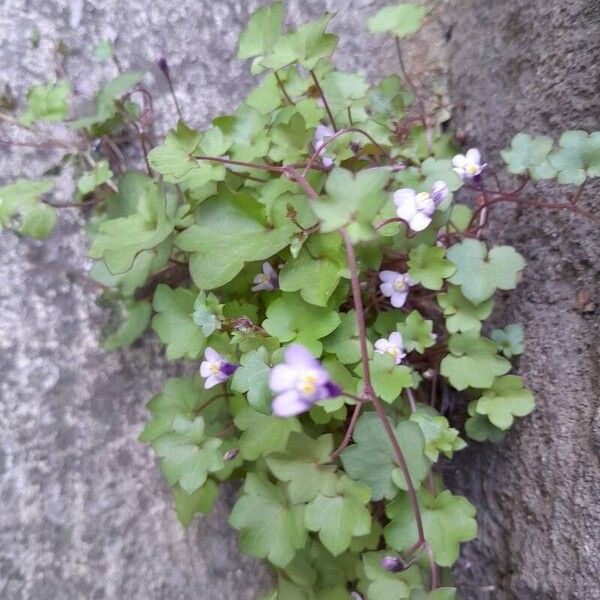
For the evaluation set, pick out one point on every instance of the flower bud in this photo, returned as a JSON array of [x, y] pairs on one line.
[[393, 564], [231, 454]]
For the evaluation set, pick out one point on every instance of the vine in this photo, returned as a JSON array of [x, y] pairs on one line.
[[309, 253]]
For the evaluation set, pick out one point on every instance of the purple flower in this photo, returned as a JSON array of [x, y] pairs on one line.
[[393, 345], [393, 564], [468, 165], [215, 369], [395, 287], [417, 209], [322, 132], [299, 383], [267, 280]]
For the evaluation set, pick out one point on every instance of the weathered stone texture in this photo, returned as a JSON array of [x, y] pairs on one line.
[[534, 66]]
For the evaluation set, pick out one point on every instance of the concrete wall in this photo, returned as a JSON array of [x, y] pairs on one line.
[[534, 66]]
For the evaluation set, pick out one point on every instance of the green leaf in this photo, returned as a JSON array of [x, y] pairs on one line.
[[389, 379], [315, 278], [187, 456], [174, 158], [529, 154], [47, 103], [479, 427], [90, 181], [106, 99], [351, 197], [578, 157], [263, 30], [506, 399], [443, 593], [401, 19], [304, 467], [306, 46], [263, 434], [472, 361], [428, 266], [103, 50], [225, 239], [201, 501], [417, 332], [439, 436], [121, 239], [372, 461], [290, 141], [208, 313], [174, 323], [252, 378], [289, 319], [343, 341], [269, 527], [480, 273], [339, 515], [22, 210], [509, 340], [447, 521], [462, 315], [135, 318]]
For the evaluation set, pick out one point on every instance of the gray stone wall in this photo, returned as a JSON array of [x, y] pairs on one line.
[[534, 66], [85, 512]]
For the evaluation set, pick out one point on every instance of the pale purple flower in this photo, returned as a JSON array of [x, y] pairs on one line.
[[266, 280], [393, 345], [393, 564], [417, 208], [395, 287], [299, 383], [468, 165], [321, 134], [215, 368]]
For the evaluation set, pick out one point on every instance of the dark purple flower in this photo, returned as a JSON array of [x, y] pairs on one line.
[[299, 383], [393, 564]]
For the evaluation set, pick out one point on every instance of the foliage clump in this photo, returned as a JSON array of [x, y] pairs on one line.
[[308, 254]]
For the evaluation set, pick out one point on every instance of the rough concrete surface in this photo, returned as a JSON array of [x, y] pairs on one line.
[[85, 513], [534, 66]]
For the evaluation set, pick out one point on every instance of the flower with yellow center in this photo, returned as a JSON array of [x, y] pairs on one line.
[[395, 286], [468, 165], [394, 346]]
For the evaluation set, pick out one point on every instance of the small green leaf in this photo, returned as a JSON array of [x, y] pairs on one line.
[[462, 315], [269, 527], [351, 197], [262, 31], [578, 157], [417, 332], [479, 427], [389, 379], [372, 461], [439, 436], [252, 378], [472, 361], [306, 46], [90, 181], [304, 467], [401, 19], [200, 501], [529, 154], [343, 341], [480, 273], [509, 340], [289, 319], [134, 320], [174, 323], [263, 434], [447, 521], [382, 585], [187, 456], [339, 515], [22, 210], [103, 50], [428, 266], [506, 399], [225, 238], [47, 103]]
